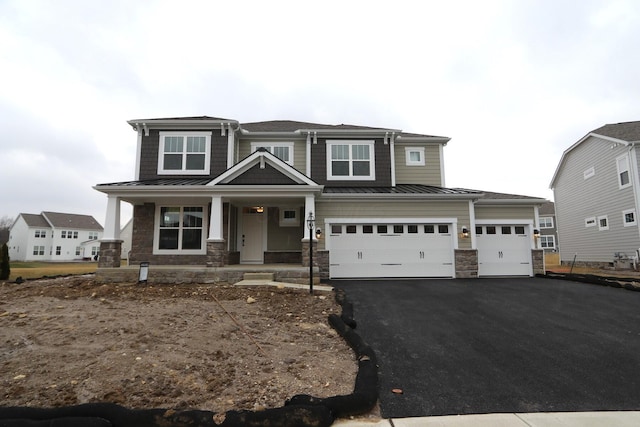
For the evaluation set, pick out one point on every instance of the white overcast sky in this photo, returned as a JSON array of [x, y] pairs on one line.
[[512, 83]]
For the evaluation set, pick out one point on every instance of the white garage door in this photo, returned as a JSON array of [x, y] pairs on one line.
[[504, 250], [391, 250]]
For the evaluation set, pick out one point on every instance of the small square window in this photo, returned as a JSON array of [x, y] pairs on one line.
[[413, 229], [443, 229], [351, 229], [590, 222], [478, 229], [289, 217], [603, 223], [382, 229], [491, 229], [336, 229], [629, 217], [398, 229], [519, 229], [429, 229], [506, 230], [414, 156], [367, 229]]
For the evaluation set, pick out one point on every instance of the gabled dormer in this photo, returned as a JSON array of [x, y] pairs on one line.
[[185, 146]]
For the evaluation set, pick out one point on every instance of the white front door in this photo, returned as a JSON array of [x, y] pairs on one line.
[[252, 238]]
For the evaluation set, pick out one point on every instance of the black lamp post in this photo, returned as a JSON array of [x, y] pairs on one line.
[[310, 226]]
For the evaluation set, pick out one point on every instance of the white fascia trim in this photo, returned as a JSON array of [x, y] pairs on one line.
[[443, 140], [364, 196], [181, 124], [486, 202], [580, 141], [254, 158]]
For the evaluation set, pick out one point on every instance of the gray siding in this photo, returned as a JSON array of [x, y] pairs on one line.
[[577, 199], [429, 174], [391, 209]]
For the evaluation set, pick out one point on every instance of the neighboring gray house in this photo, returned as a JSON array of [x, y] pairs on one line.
[[548, 232], [216, 192], [596, 197]]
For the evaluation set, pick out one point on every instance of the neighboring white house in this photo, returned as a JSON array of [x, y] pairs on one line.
[[596, 197], [53, 236]]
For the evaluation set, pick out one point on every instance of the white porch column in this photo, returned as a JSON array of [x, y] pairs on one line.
[[215, 225], [309, 207], [112, 221]]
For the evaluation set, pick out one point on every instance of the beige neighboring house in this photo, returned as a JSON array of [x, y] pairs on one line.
[[54, 236], [216, 192]]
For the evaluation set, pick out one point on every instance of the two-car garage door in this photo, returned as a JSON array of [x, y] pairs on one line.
[[391, 250]]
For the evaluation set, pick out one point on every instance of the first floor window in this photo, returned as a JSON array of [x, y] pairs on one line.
[[78, 250], [58, 250], [95, 250], [181, 228], [38, 250], [603, 223], [547, 242]]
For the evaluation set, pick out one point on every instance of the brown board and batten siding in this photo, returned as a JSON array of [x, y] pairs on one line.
[[397, 209], [429, 174], [599, 195], [382, 164], [151, 145]]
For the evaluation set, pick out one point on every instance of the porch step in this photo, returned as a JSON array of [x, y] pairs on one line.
[[259, 276]]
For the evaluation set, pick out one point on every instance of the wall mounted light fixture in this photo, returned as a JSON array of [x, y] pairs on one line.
[[464, 232]]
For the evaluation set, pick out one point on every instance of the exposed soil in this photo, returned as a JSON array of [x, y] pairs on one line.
[[211, 347]]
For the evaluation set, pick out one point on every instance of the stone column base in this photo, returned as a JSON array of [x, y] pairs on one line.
[[305, 253], [217, 255], [110, 254], [537, 256], [466, 263]]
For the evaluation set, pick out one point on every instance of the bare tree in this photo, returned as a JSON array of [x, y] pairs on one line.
[[5, 222]]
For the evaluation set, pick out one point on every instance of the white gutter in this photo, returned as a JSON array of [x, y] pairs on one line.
[[392, 150]]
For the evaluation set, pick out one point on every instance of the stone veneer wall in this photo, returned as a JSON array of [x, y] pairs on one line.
[[323, 264], [537, 255], [466, 261], [305, 253], [110, 254]]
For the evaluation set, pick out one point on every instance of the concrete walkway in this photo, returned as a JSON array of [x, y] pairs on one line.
[[550, 419]]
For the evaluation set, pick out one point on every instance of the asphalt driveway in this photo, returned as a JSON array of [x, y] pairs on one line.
[[500, 345]]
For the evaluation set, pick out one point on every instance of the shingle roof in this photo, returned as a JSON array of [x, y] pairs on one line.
[[626, 131], [34, 220], [292, 126], [505, 196], [74, 221], [183, 118], [548, 208]]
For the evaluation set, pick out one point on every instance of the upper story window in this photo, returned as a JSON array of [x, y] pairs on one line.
[[624, 179], [282, 150], [93, 235], [184, 153], [546, 222], [41, 234], [350, 160], [629, 217], [414, 156]]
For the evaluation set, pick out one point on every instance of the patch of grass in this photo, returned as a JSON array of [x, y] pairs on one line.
[[36, 270]]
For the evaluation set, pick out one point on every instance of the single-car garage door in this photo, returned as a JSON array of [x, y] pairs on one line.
[[391, 250], [503, 250]]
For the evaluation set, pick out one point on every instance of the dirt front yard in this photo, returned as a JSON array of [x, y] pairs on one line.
[[211, 347]]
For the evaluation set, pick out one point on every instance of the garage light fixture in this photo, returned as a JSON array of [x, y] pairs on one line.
[[318, 233], [464, 232], [536, 234]]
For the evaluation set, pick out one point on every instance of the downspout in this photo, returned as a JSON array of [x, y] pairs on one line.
[[138, 152], [230, 145], [392, 149], [308, 154]]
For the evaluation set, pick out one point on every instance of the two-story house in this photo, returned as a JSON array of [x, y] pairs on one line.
[[596, 197], [216, 192], [548, 232], [54, 236]]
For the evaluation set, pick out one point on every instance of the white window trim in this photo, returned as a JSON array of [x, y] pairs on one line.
[[256, 144], [624, 157], [207, 154], [546, 237], [289, 222], [407, 153], [590, 222], [635, 218], [156, 232], [351, 142], [601, 228], [546, 218], [589, 172]]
